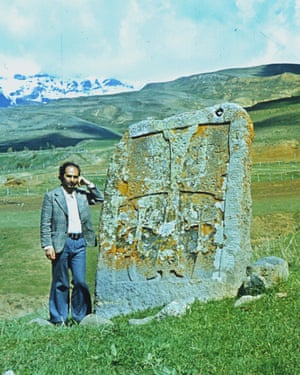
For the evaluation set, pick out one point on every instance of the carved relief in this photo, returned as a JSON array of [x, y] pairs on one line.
[[164, 215]]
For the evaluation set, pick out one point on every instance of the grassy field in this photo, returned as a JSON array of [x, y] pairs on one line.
[[212, 338]]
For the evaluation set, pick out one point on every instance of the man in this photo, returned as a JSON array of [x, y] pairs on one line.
[[66, 230]]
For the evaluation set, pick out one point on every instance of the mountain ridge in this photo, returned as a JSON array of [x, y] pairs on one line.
[[43, 88], [231, 81], [44, 124]]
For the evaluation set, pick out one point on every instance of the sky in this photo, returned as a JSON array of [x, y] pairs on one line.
[[142, 41]]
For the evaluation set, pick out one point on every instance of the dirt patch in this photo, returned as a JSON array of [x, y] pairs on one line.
[[12, 182], [284, 151], [271, 227], [16, 305]]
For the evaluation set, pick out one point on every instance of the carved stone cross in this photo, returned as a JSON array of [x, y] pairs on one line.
[[176, 217]]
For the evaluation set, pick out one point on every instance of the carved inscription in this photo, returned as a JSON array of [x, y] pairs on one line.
[[165, 211]]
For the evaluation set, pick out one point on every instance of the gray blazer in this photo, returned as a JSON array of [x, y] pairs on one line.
[[54, 217]]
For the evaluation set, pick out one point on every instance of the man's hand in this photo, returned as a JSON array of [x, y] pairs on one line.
[[50, 253], [83, 181]]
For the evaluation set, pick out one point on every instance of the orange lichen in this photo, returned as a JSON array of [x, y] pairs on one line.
[[183, 129], [250, 127], [201, 129], [112, 250], [206, 229], [251, 131], [123, 187]]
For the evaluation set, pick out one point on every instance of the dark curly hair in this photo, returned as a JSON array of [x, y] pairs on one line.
[[65, 165]]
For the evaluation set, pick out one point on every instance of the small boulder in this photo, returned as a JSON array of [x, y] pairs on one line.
[[263, 274], [95, 320], [246, 299], [175, 308], [40, 322]]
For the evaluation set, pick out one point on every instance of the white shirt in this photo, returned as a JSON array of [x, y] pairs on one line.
[[74, 224]]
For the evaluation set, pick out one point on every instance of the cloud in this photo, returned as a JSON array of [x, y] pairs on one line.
[[162, 42], [22, 24], [281, 33], [138, 40], [246, 9], [10, 65], [297, 12]]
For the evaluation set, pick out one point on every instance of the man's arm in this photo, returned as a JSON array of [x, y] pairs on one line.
[[45, 226], [94, 195]]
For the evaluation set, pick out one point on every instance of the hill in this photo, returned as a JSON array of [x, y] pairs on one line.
[[70, 121]]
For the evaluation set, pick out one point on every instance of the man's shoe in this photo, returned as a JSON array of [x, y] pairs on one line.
[[72, 322], [58, 324]]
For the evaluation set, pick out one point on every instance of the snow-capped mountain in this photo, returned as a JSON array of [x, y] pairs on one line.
[[42, 88]]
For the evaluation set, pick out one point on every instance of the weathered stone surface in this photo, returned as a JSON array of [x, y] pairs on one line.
[[263, 274], [173, 309], [176, 217], [247, 299], [40, 322], [253, 285], [95, 320]]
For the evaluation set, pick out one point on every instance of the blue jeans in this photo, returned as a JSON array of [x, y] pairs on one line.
[[72, 257]]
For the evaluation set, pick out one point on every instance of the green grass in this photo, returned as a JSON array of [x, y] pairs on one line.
[[273, 205], [20, 249], [213, 338], [46, 161], [276, 171]]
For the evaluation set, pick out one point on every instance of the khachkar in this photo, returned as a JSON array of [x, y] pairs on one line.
[[175, 222]]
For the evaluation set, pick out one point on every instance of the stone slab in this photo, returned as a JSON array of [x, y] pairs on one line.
[[175, 222]]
